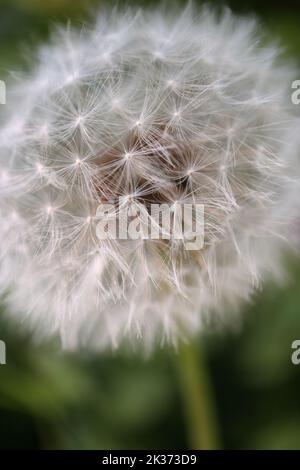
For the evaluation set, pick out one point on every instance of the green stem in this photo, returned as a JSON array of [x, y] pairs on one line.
[[198, 399]]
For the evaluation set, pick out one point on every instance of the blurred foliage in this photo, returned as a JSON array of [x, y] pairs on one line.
[[50, 399]]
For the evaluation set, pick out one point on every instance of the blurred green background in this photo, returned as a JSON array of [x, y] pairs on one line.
[[53, 400]]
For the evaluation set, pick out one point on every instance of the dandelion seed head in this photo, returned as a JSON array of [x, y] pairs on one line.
[[142, 108]]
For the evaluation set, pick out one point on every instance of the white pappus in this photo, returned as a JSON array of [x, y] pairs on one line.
[[155, 107]]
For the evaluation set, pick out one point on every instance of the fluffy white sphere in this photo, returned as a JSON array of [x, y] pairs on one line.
[[157, 108]]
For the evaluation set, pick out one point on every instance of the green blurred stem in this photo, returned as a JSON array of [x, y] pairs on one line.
[[197, 399]]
